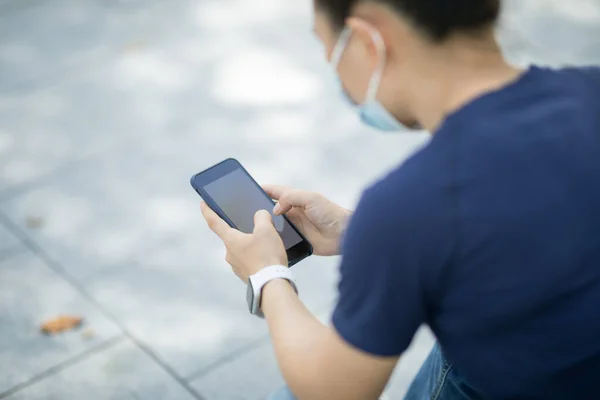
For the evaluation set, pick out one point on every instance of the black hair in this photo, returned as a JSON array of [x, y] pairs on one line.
[[438, 19]]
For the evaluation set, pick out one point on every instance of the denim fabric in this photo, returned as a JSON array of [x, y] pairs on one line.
[[436, 380]]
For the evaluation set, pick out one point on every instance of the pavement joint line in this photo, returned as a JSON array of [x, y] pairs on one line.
[[233, 356], [229, 358], [64, 365], [67, 167], [36, 249]]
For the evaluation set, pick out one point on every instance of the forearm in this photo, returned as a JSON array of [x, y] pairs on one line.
[[315, 361], [297, 335]]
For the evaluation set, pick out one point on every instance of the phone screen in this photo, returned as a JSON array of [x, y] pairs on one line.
[[239, 198]]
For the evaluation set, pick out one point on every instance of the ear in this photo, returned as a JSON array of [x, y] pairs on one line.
[[368, 37]]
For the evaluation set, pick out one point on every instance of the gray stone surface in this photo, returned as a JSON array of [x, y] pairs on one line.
[[54, 39], [257, 374], [551, 32], [122, 372], [107, 107], [255, 378], [201, 308], [30, 293]]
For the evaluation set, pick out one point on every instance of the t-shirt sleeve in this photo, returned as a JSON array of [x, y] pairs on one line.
[[380, 304]]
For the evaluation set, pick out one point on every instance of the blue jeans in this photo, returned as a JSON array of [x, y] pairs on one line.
[[436, 380]]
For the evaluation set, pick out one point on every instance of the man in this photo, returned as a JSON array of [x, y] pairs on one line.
[[490, 234]]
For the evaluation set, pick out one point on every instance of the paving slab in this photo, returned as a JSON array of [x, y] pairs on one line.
[[35, 51], [30, 293], [201, 308], [252, 376], [89, 115], [122, 372]]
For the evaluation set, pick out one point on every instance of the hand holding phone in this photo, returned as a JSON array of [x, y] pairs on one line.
[[249, 254], [231, 193], [321, 220]]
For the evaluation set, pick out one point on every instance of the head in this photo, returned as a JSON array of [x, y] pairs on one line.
[[408, 41]]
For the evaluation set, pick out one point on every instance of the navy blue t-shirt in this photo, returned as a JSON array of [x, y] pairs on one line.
[[491, 236]]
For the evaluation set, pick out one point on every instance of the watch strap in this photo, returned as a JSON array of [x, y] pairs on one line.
[[264, 276]]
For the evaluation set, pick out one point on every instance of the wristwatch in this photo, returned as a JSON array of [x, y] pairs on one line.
[[257, 281]]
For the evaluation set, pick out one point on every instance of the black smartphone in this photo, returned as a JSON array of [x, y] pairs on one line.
[[230, 191]]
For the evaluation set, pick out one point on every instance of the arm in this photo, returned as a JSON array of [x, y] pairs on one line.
[[315, 361], [379, 307]]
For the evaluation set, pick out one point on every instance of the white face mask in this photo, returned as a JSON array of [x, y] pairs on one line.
[[371, 112]]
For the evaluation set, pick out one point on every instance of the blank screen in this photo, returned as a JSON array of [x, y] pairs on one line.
[[240, 199]]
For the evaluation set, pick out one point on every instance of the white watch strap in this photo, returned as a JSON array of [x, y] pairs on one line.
[[262, 277]]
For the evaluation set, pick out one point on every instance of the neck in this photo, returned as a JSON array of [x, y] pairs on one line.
[[449, 76]]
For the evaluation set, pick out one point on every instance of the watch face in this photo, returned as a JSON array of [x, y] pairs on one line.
[[250, 295]]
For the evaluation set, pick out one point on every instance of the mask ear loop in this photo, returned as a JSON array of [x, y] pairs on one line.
[[377, 75], [340, 47]]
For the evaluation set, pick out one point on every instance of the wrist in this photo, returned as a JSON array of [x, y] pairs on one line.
[[274, 290], [263, 278], [278, 282], [264, 265]]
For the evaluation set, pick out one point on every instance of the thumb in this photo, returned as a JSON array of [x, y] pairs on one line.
[[262, 220]]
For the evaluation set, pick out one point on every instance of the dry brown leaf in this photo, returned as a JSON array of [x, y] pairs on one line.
[[61, 324]]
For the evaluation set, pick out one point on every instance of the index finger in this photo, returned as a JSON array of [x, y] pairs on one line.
[[215, 223], [275, 191]]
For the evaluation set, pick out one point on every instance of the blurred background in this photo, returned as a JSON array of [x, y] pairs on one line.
[[107, 107]]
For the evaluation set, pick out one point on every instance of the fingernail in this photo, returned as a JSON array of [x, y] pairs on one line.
[[276, 209]]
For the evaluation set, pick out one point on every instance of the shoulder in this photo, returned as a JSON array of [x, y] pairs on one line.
[[591, 73], [408, 201], [588, 78], [416, 184], [571, 80]]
